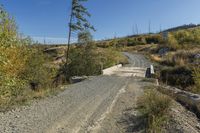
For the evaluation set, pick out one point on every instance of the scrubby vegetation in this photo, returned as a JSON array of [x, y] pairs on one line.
[[32, 71], [182, 39], [154, 107], [178, 58], [176, 51], [180, 69], [196, 77], [89, 60], [178, 76], [23, 70], [188, 37], [131, 41]]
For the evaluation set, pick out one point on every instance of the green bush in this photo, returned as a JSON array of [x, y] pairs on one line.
[[136, 41], [196, 77], [36, 73], [172, 42], [10, 88], [113, 43], [90, 60], [110, 57], [178, 76], [8, 30], [104, 44], [84, 61], [154, 106], [179, 58], [12, 60], [184, 39], [155, 39], [21, 65], [122, 42], [190, 36]]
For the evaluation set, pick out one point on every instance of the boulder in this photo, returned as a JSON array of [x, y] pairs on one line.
[[163, 51], [76, 79], [197, 56]]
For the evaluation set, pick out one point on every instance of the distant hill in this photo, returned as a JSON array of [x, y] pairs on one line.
[[182, 27], [133, 39], [173, 29]]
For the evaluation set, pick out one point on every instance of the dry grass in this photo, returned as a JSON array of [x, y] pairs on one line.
[[177, 58], [26, 97], [196, 77], [155, 58], [154, 106]]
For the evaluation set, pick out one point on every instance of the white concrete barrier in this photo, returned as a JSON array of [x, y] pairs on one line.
[[152, 72], [111, 70]]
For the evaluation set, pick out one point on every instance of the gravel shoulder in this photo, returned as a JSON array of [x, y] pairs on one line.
[[182, 120], [123, 118]]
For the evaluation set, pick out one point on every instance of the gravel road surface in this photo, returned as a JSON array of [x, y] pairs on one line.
[[80, 108], [137, 60]]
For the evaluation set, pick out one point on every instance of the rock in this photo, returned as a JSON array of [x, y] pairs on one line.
[[197, 56], [76, 79], [163, 51]]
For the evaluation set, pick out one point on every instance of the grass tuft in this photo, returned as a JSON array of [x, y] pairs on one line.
[[154, 106]]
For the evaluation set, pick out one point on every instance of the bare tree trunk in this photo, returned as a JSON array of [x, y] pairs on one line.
[[69, 38]]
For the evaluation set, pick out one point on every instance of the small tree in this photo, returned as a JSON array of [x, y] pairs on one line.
[[8, 30], [84, 37], [78, 21]]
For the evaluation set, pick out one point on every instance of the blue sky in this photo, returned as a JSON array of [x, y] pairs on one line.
[[48, 18]]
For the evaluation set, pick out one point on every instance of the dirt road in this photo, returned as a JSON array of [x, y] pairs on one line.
[[81, 107], [102, 104], [137, 60]]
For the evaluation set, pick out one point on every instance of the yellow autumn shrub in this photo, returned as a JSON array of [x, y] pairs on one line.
[[13, 57]]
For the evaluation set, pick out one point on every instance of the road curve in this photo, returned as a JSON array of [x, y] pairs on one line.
[[77, 109], [137, 60]]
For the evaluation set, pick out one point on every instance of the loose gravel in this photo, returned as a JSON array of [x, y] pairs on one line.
[[74, 110]]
